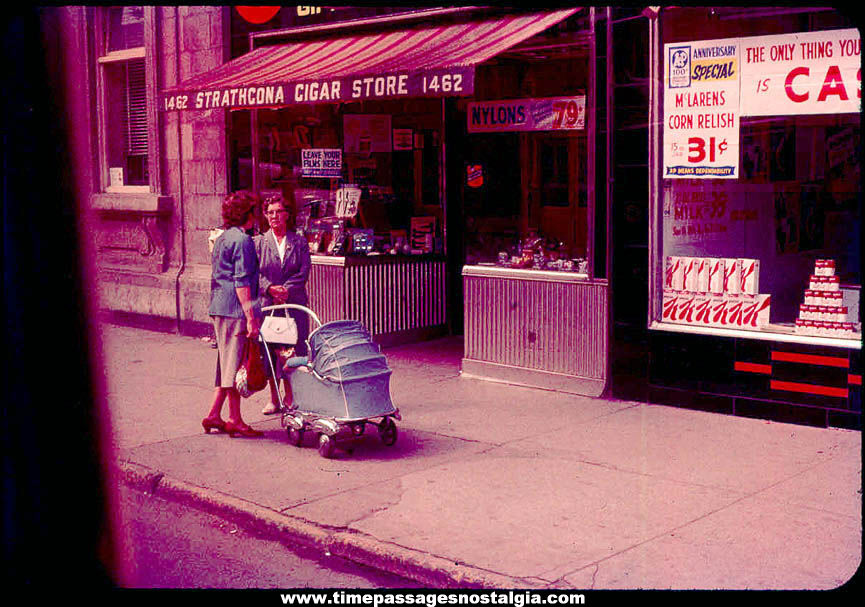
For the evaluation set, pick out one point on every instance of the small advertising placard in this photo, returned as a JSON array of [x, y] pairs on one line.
[[403, 140], [347, 201], [422, 234], [701, 109], [547, 114], [321, 162], [115, 176]]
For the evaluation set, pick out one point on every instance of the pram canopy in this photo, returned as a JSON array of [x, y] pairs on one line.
[[343, 350], [350, 377]]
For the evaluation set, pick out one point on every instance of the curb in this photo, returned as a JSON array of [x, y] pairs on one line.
[[427, 569]]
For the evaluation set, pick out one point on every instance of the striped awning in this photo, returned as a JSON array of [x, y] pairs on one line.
[[428, 61]]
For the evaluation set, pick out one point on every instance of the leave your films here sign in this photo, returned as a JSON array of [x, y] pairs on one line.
[[709, 85], [446, 82]]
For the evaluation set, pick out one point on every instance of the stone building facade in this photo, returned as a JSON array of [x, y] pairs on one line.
[[150, 242]]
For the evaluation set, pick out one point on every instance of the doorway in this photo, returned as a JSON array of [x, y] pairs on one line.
[[554, 189]]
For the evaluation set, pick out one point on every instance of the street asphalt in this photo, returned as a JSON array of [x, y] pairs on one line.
[[492, 485]]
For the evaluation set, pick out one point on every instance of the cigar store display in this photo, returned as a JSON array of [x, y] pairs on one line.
[[538, 253], [358, 188]]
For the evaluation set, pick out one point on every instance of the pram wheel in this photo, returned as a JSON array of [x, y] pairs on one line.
[[387, 431], [326, 445], [295, 436]]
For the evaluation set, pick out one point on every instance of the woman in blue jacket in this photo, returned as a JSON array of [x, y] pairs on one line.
[[233, 294]]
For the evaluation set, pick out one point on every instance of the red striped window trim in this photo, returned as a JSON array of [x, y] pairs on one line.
[[753, 367], [790, 386], [813, 359]]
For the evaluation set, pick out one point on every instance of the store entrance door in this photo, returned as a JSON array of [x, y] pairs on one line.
[[552, 189]]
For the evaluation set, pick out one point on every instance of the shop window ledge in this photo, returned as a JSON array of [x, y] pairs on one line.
[[132, 203]]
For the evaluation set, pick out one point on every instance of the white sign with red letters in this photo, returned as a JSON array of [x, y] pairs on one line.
[[709, 85], [805, 73]]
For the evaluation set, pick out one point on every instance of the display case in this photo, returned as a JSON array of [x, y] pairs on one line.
[[359, 176], [755, 194], [758, 213], [535, 297]]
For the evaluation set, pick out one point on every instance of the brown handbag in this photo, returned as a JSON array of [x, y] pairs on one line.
[[252, 374]]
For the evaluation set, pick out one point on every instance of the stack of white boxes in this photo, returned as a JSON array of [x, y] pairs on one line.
[[715, 292], [822, 312]]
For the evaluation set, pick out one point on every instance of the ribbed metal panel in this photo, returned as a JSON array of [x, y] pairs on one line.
[[559, 327], [400, 296], [327, 292], [387, 296]]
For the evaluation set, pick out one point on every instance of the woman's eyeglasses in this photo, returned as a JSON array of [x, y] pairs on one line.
[[275, 213]]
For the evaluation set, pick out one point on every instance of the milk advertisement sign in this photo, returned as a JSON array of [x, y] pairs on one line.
[[701, 110]]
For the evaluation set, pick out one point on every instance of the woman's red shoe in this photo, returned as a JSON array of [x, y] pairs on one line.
[[241, 429], [210, 423]]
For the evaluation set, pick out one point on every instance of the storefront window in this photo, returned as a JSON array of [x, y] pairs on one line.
[[365, 177], [760, 204], [525, 147]]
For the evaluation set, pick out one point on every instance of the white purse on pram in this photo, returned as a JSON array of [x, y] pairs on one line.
[[279, 330]]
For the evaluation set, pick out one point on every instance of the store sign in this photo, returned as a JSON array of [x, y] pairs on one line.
[[701, 110], [709, 85], [547, 114], [808, 73], [319, 162], [448, 82]]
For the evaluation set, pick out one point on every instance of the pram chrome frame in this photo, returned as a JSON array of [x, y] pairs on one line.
[[331, 430]]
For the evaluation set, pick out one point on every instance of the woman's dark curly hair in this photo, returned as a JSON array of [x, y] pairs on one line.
[[236, 208]]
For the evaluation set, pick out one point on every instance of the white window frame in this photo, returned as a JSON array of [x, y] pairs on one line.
[[147, 53]]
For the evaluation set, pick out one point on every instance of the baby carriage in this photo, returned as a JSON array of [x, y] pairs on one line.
[[342, 385]]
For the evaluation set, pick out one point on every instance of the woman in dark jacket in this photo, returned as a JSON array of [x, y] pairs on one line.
[[233, 293], [284, 263]]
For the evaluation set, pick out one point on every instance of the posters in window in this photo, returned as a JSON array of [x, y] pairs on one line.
[[709, 85], [804, 73], [321, 162], [701, 110], [546, 114]]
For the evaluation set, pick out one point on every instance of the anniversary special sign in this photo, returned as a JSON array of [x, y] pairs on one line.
[[547, 114], [456, 81], [710, 85], [701, 109]]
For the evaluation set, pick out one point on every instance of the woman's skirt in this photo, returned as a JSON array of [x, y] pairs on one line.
[[230, 339]]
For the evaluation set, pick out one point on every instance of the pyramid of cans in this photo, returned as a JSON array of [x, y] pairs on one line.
[[714, 292], [823, 312]]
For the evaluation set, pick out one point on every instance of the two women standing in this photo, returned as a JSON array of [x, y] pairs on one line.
[[274, 266]]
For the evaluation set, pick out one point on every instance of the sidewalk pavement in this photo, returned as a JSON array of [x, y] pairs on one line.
[[499, 486]]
